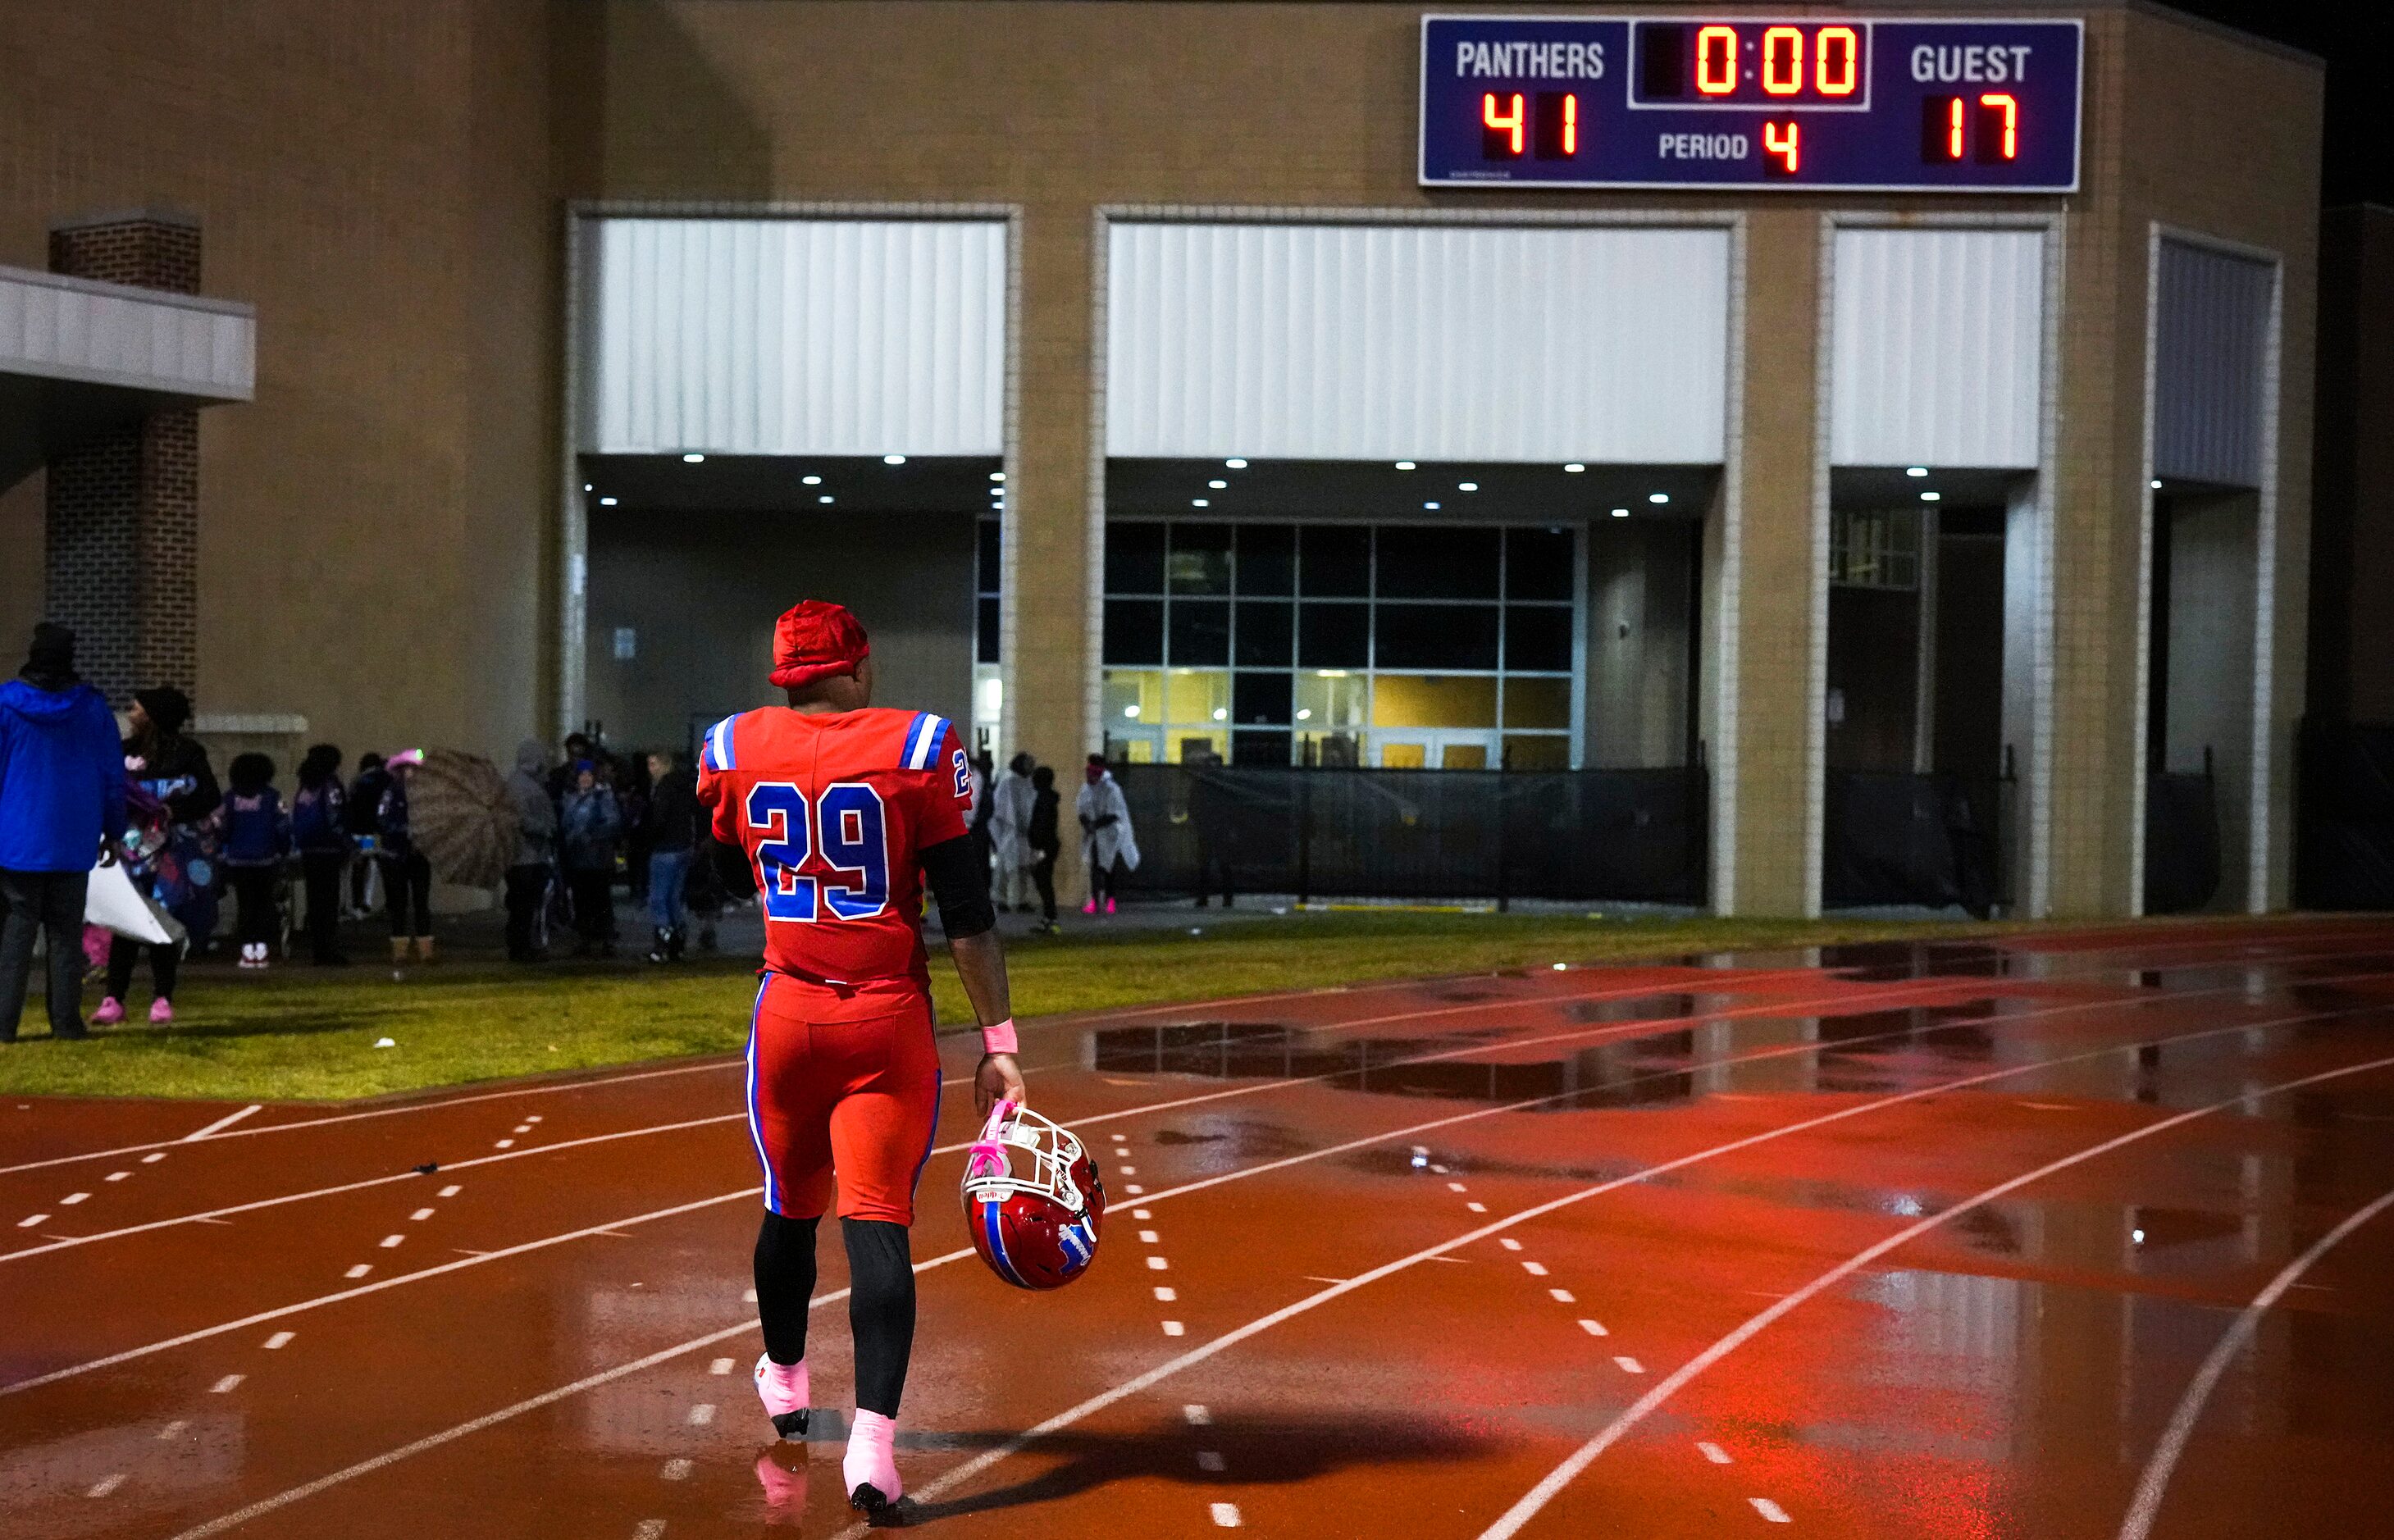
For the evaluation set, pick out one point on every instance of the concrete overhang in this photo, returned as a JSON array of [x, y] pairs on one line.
[[78, 357]]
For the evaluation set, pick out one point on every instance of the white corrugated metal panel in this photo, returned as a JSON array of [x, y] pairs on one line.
[[1373, 342], [1937, 337], [109, 334], [2212, 325], [796, 337]]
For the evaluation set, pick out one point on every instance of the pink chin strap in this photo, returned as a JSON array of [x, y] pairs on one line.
[[985, 1156]]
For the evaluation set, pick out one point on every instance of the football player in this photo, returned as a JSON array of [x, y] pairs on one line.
[[844, 812]]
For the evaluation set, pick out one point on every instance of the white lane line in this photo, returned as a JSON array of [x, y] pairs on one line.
[[225, 1384], [220, 1125], [1196, 1415], [1593, 1328], [360, 1270], [106, 1484], [1628, 1365], [72, 1199], [1157, 1264], [391, 1240], [1712, 1452], [649, 1529], [1770, 1510], [522, 1128], [1140, 1214], [1226, 1515], [1562, 1297], [1211, 1461], [30, 1220], [1535, 1269], [2147, 1504], [1127, 1171], [1580, 1459], [420, 1215], [677, 1469], [1173, 1328], [116, 1176], [531, 1117], [1134, 1188], [1476, 1207], [1509, 1243], [702, 1414], [505, 1144], [720, 1366], [280, 1339], [1165, 1295], [1148, 1238], [1457, 1186], [449, 1191], [153, 1157], [171, 1429]]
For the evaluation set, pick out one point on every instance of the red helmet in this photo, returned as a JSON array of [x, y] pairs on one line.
[[1033, 1200]]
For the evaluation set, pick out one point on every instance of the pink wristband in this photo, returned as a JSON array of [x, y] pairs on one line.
[[999, 1038]]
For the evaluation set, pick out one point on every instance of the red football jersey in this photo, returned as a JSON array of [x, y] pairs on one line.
[[833, 809]]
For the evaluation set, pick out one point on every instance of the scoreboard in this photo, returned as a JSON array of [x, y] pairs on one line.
[[1751, 103]]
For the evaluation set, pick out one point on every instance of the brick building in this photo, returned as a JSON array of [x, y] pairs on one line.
[[561, 305]]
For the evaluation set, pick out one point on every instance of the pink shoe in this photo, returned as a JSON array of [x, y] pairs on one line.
[[783, 1391], [871, 1466], [1090, 907], [1110, 906], [110, 1011], [162, 1011]]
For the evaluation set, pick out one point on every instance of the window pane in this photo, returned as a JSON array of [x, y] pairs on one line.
[[1538, 637], [1260, 748], [1464, 756], [1196, 697], [1134, 559], [1130, 698], [1437, 636], [987, 566], [1331, 701], [1267, 559], [1181, 743], [1330, 750], [986, 625], [1436, 563], [1266, 631], [1201, 632], [1409, 700], [1135, 630], [1259, 699], [1333, 636], [1201, 559], [1336, 560], [1538, 564], [1537, 703], [1536, 752]]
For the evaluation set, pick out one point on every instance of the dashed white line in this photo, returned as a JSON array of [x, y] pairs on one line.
[[1133, 1189], [228, 1383], [1226, 1515], [748, 1297], [523, 1128], [1149, 1238], [360, 1270], [1157, 1264], [1196, 1415], [451, 1190], [531, 1117], [153, 1157], [419, 1216], [30, 1220], [72, 1199], [391, 1240], [720, 1366], [1535, 1269], [171, 1429], [1562, 1297], [1165, 1294], [1477, 1208], [116, 1176], [702, 1414], [1593, 1328], [677, 1469], [105, 1485], [505, 1144], [1210, 1460], [1629, 1365], [649, 1529], [1457, 1186], [1770, 1510], [1128, 1171], [1714, 1453], [279, 1340], [1509, 1243], [1173, 1328]]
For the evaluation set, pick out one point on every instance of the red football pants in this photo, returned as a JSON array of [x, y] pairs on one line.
[[856, 1097]]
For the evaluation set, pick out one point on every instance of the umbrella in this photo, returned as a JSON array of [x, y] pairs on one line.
[[462, 817]]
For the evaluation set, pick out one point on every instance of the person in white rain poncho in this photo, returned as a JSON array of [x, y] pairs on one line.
[[1107, 841], [1010, 836]]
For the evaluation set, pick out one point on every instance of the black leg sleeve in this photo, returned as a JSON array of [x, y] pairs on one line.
[[880, 1310], [785, 1283]]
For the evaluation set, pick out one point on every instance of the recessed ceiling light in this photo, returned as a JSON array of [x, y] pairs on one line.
[[1932, 496], [1217, 485], [811, 481], [1404, 465], [693, 458], [1574, 468], [1236, 465], [1658, 497], [1915, 470], [586, 486], [1467, 486], [1130, 711], [1200, 503], [1221, 714], [997, 476], [1621, 513], [606, 501], [893, 459], [2157, 484], [1433, 506], [824, 498]]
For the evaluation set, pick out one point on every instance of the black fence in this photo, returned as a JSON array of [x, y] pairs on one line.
[[2344, 817], [2181, 840], [1623, 836], [1892, 838]]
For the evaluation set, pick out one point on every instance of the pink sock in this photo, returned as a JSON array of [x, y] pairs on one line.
[[783, 1388], [871, 1455]]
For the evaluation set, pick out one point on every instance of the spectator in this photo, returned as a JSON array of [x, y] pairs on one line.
[[1009, 820], [61, 794], [672, 832], [560, 779], [1106, 832], [366, 831], [530, 874], [1042, 837], [633, 785], [173, 771], [320, 827], [703, 889], [254, 835], [406, 873], [588, 826]]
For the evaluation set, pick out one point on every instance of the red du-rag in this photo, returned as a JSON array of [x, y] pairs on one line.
[[816, 640]]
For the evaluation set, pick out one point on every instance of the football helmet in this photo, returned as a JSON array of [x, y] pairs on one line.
[[1033, 1199]]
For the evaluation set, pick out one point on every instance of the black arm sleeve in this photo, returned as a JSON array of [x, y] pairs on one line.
[[959, 880], [731, 869]]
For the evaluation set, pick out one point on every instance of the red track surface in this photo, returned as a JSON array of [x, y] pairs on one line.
[[2058, 1238]]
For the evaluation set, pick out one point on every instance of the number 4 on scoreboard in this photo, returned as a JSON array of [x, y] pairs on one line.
[[1783, 147]]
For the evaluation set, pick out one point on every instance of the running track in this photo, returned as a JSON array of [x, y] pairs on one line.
[[2082, 1235]]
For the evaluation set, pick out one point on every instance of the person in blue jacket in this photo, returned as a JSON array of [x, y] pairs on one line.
[[255, 837], [62, 796]]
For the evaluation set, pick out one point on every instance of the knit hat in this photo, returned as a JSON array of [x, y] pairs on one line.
[[52, 655], [815, 639], [168, 707]]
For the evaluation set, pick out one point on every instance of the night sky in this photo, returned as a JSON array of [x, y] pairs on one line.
[[2354, 39]]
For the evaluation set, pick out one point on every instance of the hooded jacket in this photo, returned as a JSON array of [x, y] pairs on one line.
[[61, 777], [535, 814]]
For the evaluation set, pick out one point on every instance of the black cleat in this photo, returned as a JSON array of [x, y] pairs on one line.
[[879, 1511], [792, 1425]]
